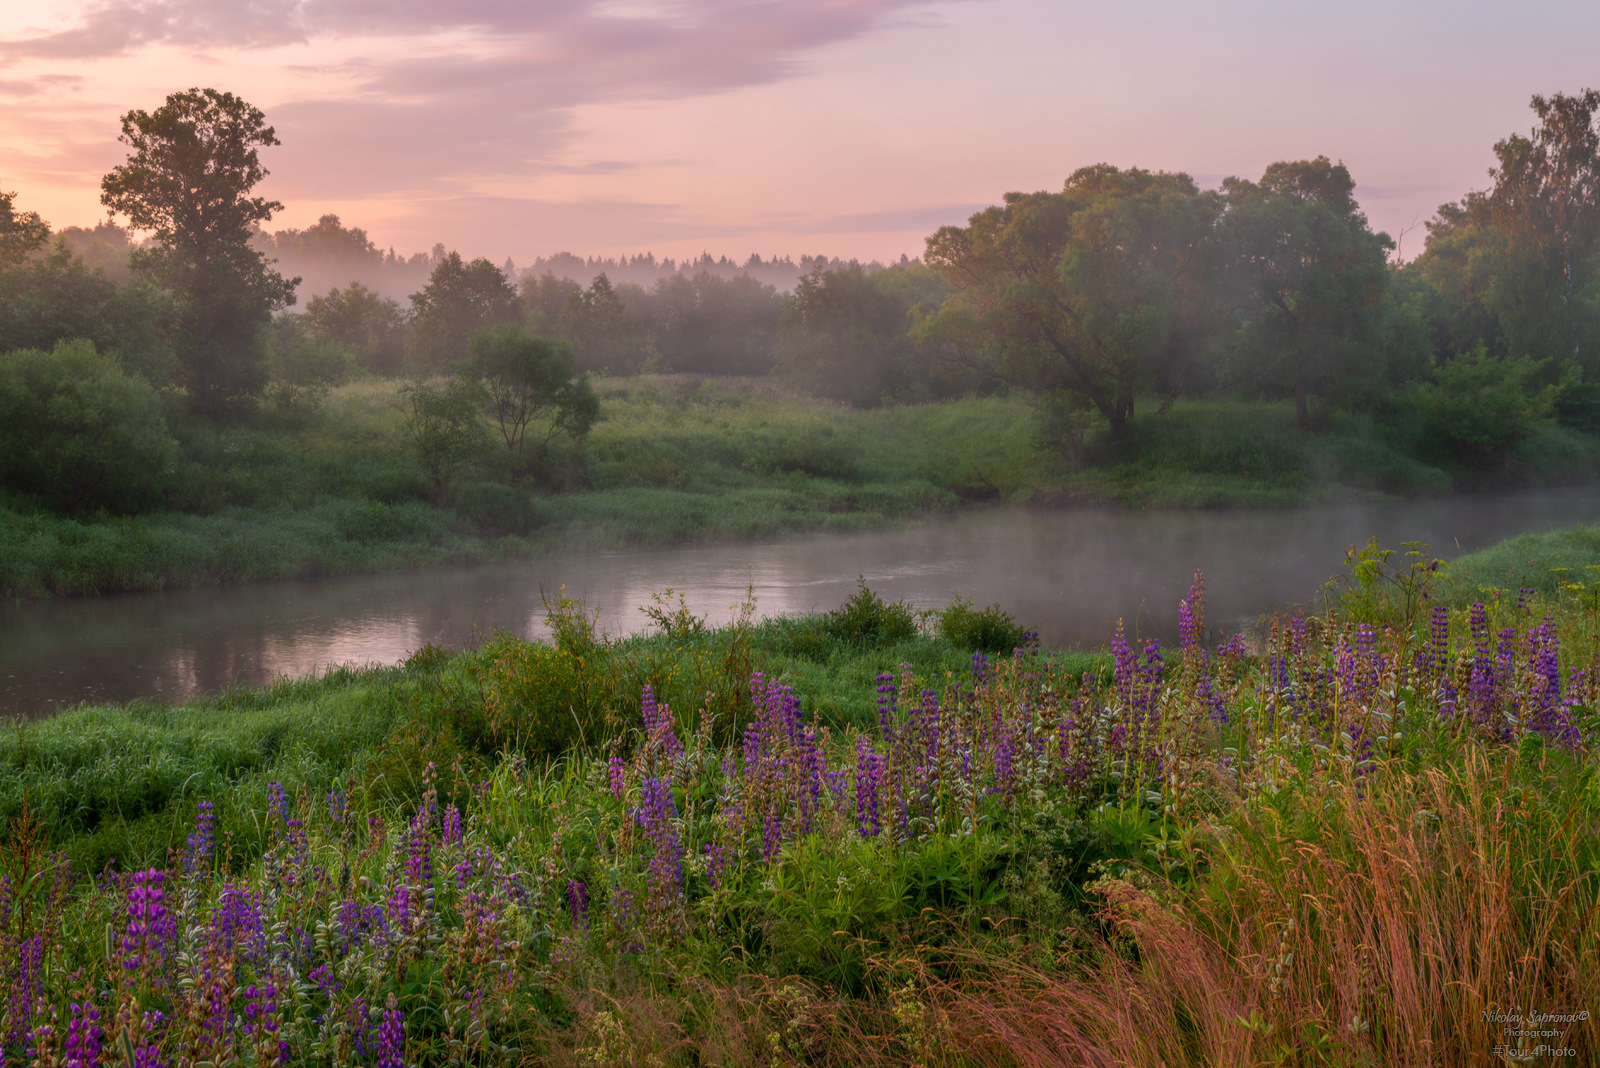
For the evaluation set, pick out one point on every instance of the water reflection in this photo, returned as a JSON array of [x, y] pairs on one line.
[[1070, 573]]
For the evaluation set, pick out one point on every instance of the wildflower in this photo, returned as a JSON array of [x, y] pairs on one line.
[[84, 1036], [202, 843], [578, 902], [149, 926], [392, 1037]]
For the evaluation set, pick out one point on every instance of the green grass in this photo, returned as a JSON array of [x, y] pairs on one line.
[[1541, 562], [679, 459], [119, 783]]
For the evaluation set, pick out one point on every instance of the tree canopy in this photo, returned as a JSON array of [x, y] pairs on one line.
[[1313, 277], [460, 299], [1085, 291], [187, 181]]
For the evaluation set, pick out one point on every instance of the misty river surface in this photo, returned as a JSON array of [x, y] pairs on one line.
[[1069, 573]]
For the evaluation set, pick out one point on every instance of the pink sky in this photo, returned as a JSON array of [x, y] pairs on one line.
[[847, 127]]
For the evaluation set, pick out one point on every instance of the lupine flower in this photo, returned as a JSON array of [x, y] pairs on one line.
[[149, 927], [84, 1036], [578, 902], [615, 776], [202, 843], [666, 865], [392, 1037], [452, 825], [869, 777], [277, 802]]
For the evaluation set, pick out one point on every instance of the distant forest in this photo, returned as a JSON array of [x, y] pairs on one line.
[[1124, 284]]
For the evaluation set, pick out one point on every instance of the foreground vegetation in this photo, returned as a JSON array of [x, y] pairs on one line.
[[1366, 837]]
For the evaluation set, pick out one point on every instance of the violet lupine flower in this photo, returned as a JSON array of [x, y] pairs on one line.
[[261, 1010], [237, 922], [578, 902], [869, 778], [1004, 766], [980, 667], [1233, 647], [888, 702], [277, 802], [666, 866], [419, 855], [1212, 698], [1122, 663], [147, 1054], [658, 726], [616, 777], [202, 843], [717, 859], [452, 825], [27, 984], [84, 1036], [338, 806], [771, 837], [148, 922], [1191, 614]]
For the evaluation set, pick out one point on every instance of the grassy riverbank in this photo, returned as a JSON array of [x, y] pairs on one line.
[[517, 855], [684, 459]]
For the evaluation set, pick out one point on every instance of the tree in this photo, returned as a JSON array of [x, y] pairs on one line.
[[1314, 277], [78, 431], [459, 300], [445, 424], [1518, 267], [193, 164], [528, 382], [55, 297], [599, 327], [844, 334], [21, 232], [364, 324], [1545, 209], [1094, 291]]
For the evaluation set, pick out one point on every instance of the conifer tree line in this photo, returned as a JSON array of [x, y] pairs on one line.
[[1108, 298]]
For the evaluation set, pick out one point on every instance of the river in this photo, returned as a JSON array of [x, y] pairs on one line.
[[1069, 573]]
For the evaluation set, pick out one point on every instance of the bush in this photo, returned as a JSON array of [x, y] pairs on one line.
[[866, 619], [1481, 407], [989, 630], [78, 431]]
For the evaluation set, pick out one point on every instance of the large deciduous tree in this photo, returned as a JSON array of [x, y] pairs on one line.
[[187, 181], [460, 299], [1093, 291], [21, 232], [1314, 277]]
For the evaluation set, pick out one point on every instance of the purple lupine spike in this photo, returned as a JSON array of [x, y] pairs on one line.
[[666, 866], [202, 843], [452, 825], [869, 778], [84, 1036], [659, 729], [392, 1036], [771, 837], [143, 941], [578, 902], [277, 802], [338, 805], [1192, 615], [616, 778]]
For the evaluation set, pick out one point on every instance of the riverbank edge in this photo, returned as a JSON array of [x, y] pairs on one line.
[[44, 556]]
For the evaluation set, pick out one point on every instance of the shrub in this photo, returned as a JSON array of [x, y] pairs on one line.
[[1481, 407], [867, 619], [989, 630], [78, 431]]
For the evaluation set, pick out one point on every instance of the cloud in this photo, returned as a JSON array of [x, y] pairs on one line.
[[118, 28]]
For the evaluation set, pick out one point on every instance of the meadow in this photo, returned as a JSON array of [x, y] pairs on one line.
[[333, 488], [1364, 837]]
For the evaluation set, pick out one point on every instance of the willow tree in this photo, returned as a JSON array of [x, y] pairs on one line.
[[1093, 291]]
